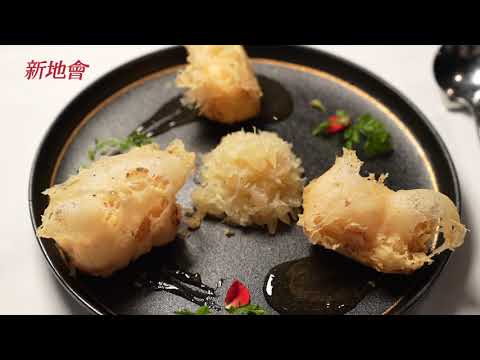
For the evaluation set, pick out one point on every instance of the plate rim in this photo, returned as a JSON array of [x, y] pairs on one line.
[[402, 307]]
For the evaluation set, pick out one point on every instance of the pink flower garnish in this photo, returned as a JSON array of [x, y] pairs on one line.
[[238, 295]]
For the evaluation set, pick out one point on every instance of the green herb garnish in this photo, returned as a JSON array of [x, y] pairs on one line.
[[204, 310], [351, 137], [244, 310], [343, 118], [377, 138], [321, 128], [317, 104], [104, 147], [247, 310]]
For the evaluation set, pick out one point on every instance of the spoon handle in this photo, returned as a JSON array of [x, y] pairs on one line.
[[476, 114]]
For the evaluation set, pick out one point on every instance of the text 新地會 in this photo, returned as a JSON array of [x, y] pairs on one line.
[[55, 70]]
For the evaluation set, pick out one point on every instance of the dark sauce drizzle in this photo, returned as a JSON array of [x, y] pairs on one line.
[[324, 283], [276, 102], [276, 105], [181, 283], [170, 115]]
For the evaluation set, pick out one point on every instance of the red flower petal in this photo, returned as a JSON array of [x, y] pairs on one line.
[[337, 124], [238, 295], [335, 128]]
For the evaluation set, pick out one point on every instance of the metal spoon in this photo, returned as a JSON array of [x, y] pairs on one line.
[[457, 71]]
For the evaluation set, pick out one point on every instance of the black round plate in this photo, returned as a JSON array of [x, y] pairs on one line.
[[118, 102]]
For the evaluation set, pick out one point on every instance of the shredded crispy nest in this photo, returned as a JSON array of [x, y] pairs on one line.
[[220, 82], [250, 179], [393, 232]]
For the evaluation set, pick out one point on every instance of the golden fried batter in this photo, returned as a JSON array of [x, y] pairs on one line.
[[118, 208], [363, 219]]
